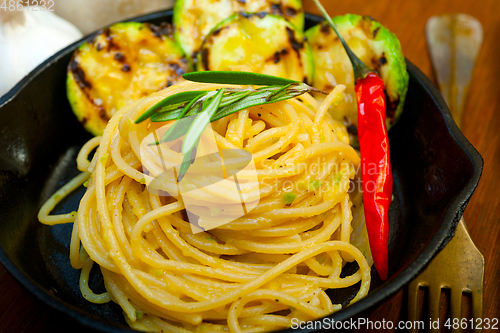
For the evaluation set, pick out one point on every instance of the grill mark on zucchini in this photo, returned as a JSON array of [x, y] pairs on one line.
[[249, 15], [165, 29], [92, 37], [126, 68], [352, 129], [378, 62], [119, 57], [205, 53], [85, 86], [276, 9], [391, 107], [216, 32], [111, 45], [278, 54], [290, 12], [102, 112], [296, 45], [178, 70], [325, 28], [79, 75], [366, 24]]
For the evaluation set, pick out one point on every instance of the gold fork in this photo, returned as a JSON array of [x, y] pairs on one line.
[[454, 42], [458, 267]]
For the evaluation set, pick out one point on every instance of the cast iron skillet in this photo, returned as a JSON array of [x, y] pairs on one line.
[[435, 173]]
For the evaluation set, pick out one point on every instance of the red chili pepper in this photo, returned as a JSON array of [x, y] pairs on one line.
[[375, 166], [375, 160]]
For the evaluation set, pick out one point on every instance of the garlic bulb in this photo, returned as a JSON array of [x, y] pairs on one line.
[[90, 15], [27, 38]]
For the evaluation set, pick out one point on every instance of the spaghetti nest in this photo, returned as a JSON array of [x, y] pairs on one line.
[[253, 274]]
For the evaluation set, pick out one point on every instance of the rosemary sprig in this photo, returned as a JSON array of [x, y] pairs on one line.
[[177, 99], [194, 110], [187, 103]]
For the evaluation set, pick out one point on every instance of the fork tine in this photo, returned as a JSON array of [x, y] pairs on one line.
[[413, 290], [477, 307], [456, 306], [476, 288], [434, 304], [473, 277]]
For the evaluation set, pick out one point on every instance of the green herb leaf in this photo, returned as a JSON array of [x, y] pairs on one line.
[[338, 178], [181, 97], [241, 78], [178, 129], [233, 98], [167, 116], [289, 197], [138, 314], [170, 108], [277, 92], [158, 272], [338, 99], [182, 125], [260, 97], [314, 185], [186, 162], [201, 121]]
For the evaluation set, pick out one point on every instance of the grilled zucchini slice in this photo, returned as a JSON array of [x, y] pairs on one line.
[[194, 19], [119, 65], [376, 46], [259, 43]]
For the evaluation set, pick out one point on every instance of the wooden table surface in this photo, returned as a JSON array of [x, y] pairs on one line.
[[22, 312]]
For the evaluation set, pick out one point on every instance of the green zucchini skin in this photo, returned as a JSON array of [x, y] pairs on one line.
[[119, 65], [258, 42], [376, 46], [194, 19]]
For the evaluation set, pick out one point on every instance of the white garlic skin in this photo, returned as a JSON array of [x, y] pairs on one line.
[[27, 38]]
